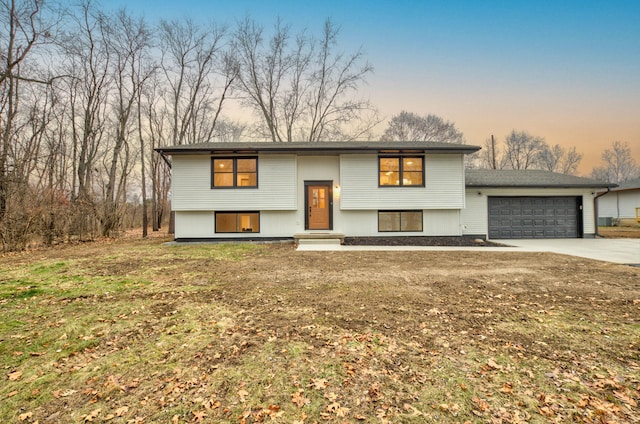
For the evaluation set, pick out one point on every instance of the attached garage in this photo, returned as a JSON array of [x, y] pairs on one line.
[[526, 204], [535, 217]]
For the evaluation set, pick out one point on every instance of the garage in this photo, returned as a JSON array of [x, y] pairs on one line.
[[535, 217]]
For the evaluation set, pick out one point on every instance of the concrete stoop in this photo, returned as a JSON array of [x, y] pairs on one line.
[[318, 241]]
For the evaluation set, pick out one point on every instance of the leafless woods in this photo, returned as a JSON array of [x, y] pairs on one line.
[[86, 96]]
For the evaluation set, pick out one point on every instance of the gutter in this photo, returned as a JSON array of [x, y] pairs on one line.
[[595, 208]]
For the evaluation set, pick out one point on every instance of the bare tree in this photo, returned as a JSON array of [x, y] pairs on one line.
[[299, 86], [409, 126], [619, 165], [158, 134], [129, 39], [491, 156], [24, 114], [335, 77], [22, 28], [550, 157], [199, 74], [570, 161], [523, 150], [558, 159], [55, 168], [227, 130], [19, 33], [89, 60]]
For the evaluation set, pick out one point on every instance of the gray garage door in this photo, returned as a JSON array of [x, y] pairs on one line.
[[534, 217]]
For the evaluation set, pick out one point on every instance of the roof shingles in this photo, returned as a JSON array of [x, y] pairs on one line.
[[532, 178]]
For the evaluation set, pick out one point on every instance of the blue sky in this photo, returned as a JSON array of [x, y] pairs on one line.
[[565, 70]]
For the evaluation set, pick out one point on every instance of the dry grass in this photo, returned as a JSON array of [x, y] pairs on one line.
[[136, 331], [630, 231]]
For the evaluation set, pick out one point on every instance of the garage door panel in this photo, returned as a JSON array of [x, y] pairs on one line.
[[534, 217]]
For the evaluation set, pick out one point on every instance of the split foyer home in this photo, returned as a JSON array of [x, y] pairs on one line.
[[263, 190]]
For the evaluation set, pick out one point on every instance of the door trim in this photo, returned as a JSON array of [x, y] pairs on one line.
[[327, 183]]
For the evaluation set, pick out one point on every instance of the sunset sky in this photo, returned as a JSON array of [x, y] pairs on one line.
[[568, 71]]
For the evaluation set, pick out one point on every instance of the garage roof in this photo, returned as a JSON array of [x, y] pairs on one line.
[[629, 185], [532, 178]]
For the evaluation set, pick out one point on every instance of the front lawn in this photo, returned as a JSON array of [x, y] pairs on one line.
[[141, 332]]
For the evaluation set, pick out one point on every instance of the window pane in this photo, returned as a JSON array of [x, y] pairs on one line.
[[411, 221], [242, 222], [223, 180], [226, 222], [246, 165], [412, 178], [389, 164], [249, 223], [388, 221], [247, 180], [223, 165], [389, 178], [223, 172], [412, 164]]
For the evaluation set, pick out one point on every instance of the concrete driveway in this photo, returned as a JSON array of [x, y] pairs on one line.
[[621, 251]]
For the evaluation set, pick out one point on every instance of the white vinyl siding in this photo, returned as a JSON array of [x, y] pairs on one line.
[[194, 224], [191, 186], [474, 216], [619, 204], [360, 223], [444, 185], [442, 222], [190, 224]]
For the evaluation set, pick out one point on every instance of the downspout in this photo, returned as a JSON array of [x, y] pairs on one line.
[[595, 208], [164, 157]]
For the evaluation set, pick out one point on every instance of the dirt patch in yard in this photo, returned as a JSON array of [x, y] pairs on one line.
[[244, 333], [620, 232]]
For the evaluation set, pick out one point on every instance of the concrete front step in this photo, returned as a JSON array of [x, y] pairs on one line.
[[325, 241], [332, 239]]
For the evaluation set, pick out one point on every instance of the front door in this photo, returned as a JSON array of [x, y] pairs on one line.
[[319, 202]]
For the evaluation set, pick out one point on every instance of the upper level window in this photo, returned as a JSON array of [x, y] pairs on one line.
[[401, 171], [235, 172]]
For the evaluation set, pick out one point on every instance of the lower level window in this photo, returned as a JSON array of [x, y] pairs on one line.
[[399, 221], [237, 222]]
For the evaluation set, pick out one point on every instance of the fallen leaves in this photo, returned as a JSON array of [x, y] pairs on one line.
[[337, 409], [15, 376], [484, 347], [25, 416], [492, 365], [118, 412], [242, 395], [319, 383], [91, 416], [198, 416], [63, 393], [298, 398], [375, 392]]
